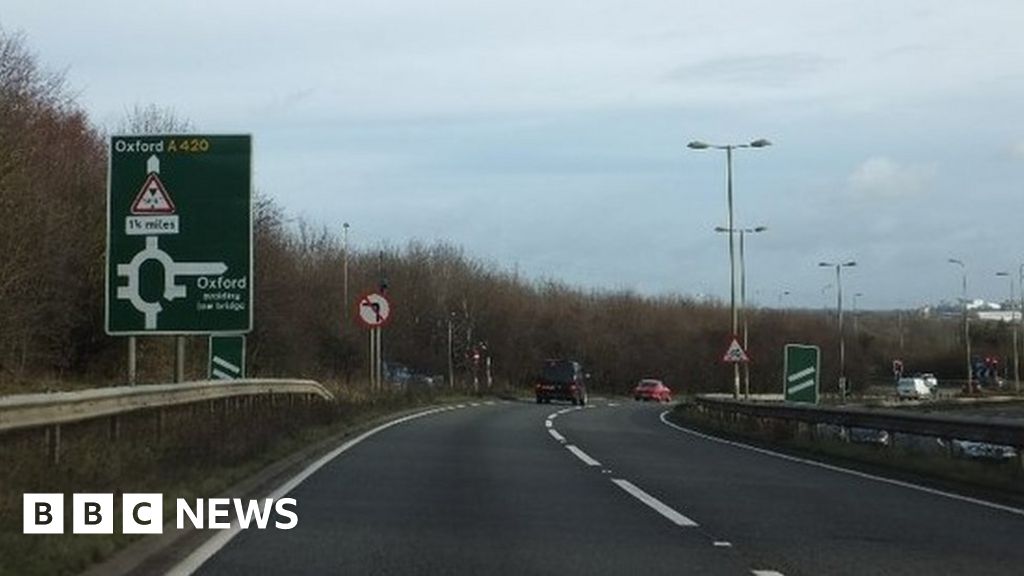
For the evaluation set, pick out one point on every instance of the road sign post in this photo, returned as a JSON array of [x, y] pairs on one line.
[[735, 353], [897, 369], [179, 235], [801, 373], [374, 311], [227, 357]]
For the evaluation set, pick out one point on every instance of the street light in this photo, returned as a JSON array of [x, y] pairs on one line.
[[855, 314], [1013, 328], [698, 145], [1020, 319], [781, 294], [839, 308], [344, 242], [967, 324], [743, 295]]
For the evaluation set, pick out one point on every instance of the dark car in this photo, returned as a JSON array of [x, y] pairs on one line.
[[562, 380]]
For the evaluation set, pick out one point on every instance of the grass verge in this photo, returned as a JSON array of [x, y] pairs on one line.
[[196, 451]]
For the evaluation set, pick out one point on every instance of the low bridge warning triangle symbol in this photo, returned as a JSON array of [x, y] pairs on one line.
[[153, 198]]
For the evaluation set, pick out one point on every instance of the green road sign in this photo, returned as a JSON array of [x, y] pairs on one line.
[[179, 235], [227, 357], [801, 373]]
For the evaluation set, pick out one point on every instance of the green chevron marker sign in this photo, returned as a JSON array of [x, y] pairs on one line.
[[227, 357], [179, 235], [801, 373]]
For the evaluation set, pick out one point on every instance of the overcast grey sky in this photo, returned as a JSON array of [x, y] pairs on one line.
[[552, 135]]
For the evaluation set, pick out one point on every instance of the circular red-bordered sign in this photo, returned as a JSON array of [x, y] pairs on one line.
[[373, 310]]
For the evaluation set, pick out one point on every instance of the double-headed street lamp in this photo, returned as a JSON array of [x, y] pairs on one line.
[[698, 145], [967, 324], [743, 295], [839, 310], [1013, 328]]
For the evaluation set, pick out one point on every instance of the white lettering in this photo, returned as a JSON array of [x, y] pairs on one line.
[[253, 510], [138, 146], [280, 508], [222, 283], [185, 510], [218, 508]]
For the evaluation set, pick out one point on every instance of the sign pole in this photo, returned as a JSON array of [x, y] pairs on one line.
[[179, 359], [372, 362], [451, 367], [131, 361], [380, 360]]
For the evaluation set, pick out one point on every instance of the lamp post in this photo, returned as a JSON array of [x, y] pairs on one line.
[[967, 324], [698, 145], [743, 295], [1013, 328], [839, 313], [344, 266], [855, 313], [1020, 319], [781, 294]]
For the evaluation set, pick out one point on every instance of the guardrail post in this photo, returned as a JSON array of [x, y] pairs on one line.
[[53, 443]]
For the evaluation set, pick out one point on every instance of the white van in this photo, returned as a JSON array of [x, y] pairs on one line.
[[913, 388]]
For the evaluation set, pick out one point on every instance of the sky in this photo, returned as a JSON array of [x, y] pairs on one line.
[[550, 137]]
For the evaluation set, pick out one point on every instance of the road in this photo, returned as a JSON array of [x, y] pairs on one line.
[[517, 488]]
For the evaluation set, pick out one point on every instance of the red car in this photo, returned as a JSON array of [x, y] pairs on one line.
[[651, 389]]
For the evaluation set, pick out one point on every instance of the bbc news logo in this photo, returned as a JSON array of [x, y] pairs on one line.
[[144, 513]]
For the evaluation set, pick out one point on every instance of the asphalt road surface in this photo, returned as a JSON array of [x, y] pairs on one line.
[[519, 488]]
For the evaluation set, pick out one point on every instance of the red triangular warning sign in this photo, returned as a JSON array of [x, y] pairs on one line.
[[153, 198], [735, 353]]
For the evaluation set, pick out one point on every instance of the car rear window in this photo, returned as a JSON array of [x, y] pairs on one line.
[[649, 383], [559, 372]]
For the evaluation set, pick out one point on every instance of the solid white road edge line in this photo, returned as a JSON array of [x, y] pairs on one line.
[[582, 455], [208, 549], [554, 434], [658, 506], [857, 473]]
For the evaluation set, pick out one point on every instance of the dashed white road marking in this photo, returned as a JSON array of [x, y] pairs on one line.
[[766, 573], [554, 434], [657, 505], [553, 415], [582, 455], [565, 410], [474, 404], [722, 544], [548, 423], [489, 403], [613, 404], [857, 473], [460, 405]]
